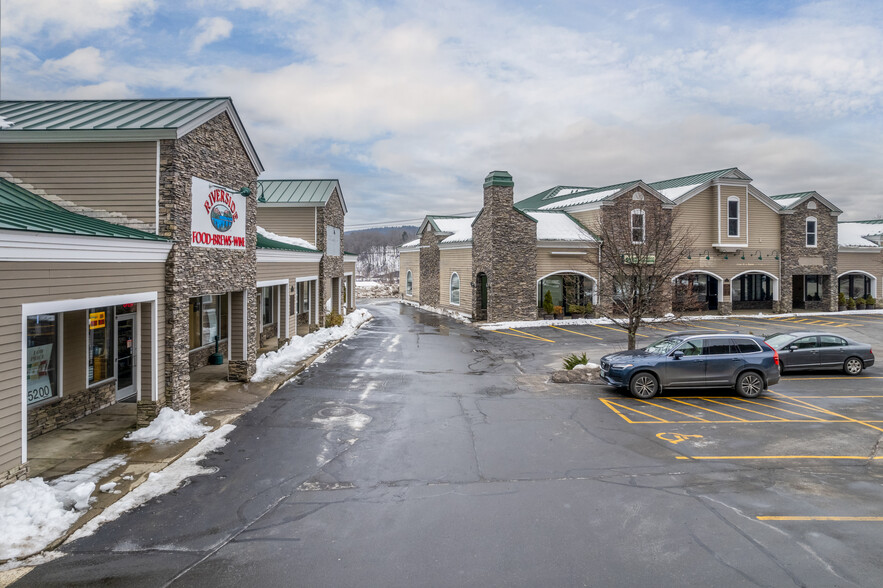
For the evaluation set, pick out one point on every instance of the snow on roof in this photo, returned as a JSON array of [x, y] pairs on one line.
[[289, 240], [677, 191], [460, 227], [557, 226], [5, 124], [786, 202], [414, 243], [584, 199], [853, 235]]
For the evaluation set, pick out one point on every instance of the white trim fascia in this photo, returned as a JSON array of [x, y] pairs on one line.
[[306, 279], [36, 246], [458, 245], [282, 256], [849, 249], [245, 319], [862, 272], [350, 258], [156, 226], [85, 136], [764, 199], [279, 282], [729, 182], [226, 106], [729, 245], [571, 252], [345, 274], [718, 214], [409, 249], [585, 245], [154, 348], [596, 205], [70, 305]]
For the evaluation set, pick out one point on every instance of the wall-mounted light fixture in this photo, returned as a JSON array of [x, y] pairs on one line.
[[759, 255], [776, 253], [707, 256]]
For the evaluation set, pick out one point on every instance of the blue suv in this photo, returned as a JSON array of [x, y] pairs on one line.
[[732, 360]]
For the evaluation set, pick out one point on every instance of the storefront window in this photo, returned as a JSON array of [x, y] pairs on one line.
[[268, 299], [208, 319], [99, 351], [42, 358], [303, 297], [813, 288], [752, 288]]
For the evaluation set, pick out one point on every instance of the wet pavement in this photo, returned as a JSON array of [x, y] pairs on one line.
[[426, 452]]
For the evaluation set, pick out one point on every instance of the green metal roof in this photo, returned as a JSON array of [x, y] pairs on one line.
[[25, 211], [267, 243], [796, 195], [298, 192], [691, 180], [873, 221], [174, 117]]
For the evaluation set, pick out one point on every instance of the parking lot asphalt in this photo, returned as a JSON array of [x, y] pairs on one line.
[[426, 452]]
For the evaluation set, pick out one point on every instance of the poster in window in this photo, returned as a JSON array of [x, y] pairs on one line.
[[209, 325], [39, 385]]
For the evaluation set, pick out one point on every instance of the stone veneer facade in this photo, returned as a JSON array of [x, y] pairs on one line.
[[504, 248], [214, 153], [331, 266], [14, 475], [800, 260], [430, 267], [70, 407]]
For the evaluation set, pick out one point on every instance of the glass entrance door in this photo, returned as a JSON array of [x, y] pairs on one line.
[[125, 356]]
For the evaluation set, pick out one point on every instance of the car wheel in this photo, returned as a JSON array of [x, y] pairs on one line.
[[644, 386], [853, 366], [781, 368], [749, 385]]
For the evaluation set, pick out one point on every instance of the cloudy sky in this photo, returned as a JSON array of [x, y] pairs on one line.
[[410, 104]]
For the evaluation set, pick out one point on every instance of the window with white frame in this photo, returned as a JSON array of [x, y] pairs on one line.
[[455, 289], [733, 216], [811, 230], [637, 226], [409, 284], [268, 304]]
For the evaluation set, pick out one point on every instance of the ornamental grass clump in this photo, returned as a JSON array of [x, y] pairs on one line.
[[573, 360], [333, 319]]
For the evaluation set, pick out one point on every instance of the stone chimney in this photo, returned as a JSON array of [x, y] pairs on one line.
[[499, 191]]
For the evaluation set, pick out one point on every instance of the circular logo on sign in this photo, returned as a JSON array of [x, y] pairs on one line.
[[222, 217]]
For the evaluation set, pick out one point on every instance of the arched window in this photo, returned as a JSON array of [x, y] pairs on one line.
[[811, 230], [638, 226], [409, 284], [733, 216], [455, 289]]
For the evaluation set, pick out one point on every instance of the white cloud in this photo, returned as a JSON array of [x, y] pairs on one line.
[[86, 63], [208, 30], [53, 21]]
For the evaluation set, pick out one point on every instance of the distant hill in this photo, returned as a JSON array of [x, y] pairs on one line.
[[377, 250]]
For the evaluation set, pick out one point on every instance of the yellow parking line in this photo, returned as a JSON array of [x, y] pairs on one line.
[[661, 328], [830, 412], [808, 416], [860, 457], [639, 412], [772, 416], [691, 325], [822, 518], [521, 336], [610, 406], [576, 333], [673, 410], [620, 330], [537, 337], [709, 410]]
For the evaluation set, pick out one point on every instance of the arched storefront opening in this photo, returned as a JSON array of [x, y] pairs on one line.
[[567, 289], [857, 284], [696, 291], [754, 291]]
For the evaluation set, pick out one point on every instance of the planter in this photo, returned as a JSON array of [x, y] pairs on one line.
[[558, 317], [860, 306], [577, 316], [841, 307], [548, 317]]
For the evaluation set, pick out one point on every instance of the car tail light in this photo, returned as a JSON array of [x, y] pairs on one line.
[[775, 353]]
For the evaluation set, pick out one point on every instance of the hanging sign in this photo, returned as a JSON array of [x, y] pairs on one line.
[[218, 216]]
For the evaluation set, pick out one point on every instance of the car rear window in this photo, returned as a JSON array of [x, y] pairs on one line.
[[716, 347], [832, 341], [745, 345]]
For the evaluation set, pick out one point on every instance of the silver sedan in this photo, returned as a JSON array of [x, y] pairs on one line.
[[813, 350]]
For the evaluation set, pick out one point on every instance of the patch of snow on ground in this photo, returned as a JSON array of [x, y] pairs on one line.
[[171, 426], [368, 284], [34, 513], [286, 358], [162, 482]]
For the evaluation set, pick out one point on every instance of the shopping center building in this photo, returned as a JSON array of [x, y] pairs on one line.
[[748, 251], [132, 257]]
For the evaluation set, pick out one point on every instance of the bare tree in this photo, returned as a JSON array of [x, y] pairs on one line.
[[643, 248]]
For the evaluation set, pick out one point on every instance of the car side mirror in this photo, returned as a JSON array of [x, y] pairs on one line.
[[792, 348], [678, 354]]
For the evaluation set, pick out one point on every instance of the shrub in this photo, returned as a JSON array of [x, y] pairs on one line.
[[589, 309], [850, 305], [841, 299], [333, 319], [573, 360], [548, 305], [558, 310], [870, 300], [575, 309]]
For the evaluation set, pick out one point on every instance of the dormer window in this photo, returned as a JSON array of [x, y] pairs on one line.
[[811, 230], [733, 216], [637, 226]]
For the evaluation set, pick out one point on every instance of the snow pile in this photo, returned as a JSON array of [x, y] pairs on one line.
[[171, 426], [461, 229], [373, 289], [34, 513], [5, 124], [276, 363], [289, 240], [159, 483]]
